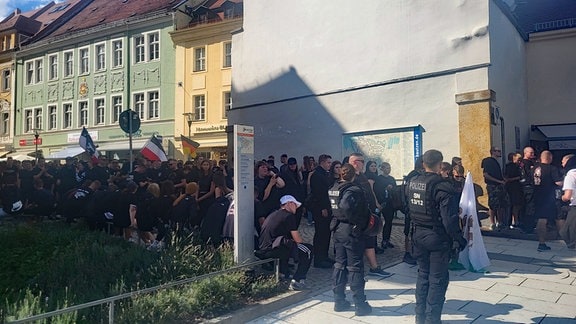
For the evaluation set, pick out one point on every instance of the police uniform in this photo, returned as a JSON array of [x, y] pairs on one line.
[[435, 227], [351, 215]]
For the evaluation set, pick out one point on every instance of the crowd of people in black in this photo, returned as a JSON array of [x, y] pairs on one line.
[[527, 193]]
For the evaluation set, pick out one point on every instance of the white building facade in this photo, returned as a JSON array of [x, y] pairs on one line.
[[332, 77]]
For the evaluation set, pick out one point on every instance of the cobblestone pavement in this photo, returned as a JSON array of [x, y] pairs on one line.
[[320, 279]]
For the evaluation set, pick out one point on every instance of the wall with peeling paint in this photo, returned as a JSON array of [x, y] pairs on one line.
[[308, 71]]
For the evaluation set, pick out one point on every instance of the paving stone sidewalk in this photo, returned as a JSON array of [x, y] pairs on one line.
[[522, 286]]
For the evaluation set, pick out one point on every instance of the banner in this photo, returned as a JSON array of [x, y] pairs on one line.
[[153, 150], [87, 144], [474, 256]]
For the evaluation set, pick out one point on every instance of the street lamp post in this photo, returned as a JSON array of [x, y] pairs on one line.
[[189, 119]]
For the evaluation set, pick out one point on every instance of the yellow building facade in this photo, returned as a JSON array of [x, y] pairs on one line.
[[204, 84]]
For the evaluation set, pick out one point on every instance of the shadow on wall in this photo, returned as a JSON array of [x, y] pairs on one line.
[[287, 118]]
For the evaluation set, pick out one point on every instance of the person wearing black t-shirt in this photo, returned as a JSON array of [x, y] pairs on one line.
[[545, 179], [495, 186]]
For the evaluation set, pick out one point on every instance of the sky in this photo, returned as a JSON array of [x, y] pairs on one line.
[[8, 6]]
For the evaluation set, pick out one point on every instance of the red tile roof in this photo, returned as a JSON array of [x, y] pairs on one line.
[[105, 11]]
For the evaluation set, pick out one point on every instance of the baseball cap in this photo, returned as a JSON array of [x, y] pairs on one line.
[[288, 198], [292, 161]]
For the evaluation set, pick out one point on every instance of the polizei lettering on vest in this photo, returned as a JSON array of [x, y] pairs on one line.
[[419, 186]]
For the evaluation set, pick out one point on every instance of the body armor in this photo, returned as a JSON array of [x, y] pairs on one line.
[[423, 208]]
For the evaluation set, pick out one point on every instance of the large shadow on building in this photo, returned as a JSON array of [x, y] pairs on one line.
[[288, 117]]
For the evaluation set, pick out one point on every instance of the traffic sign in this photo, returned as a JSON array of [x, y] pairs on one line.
[[124, 121]]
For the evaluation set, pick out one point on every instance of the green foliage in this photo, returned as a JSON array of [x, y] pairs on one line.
[[53, 266]]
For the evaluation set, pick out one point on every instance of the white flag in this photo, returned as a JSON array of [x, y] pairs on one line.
[[474, 256]]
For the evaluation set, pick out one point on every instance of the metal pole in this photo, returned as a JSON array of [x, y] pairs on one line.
[[130, 141], [111, 312]]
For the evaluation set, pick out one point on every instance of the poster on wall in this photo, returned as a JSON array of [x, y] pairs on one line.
[[400, 147]]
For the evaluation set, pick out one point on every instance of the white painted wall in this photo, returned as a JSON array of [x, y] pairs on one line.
[[507, 77], [308, 48], [551, 60]]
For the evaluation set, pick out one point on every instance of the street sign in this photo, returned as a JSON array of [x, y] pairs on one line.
[[26, 142], [124, 121]]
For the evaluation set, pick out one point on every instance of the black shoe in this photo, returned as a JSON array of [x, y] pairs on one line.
[[387, 244], [363, 309], [342, 305], [409, 259], [543, 247], [324, 264], [378, 250]]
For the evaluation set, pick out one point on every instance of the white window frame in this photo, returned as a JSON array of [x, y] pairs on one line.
[[83, 108], [149, 49], [53, 67], [199, 107], [227, 55], [100, 57], [34, 70], [199, 59], [38, 118], [153, 45], [68, 64], [52, 117], [28, 119], [29, 70], [226, 103], [39, 70], [6, 79], [5, 123], [153, 104], [140, 104], [117, 53], [117, 108], [67, 115], [100, 111], [84, 60]]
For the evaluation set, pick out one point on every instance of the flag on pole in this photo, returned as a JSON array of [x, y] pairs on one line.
[[474, 256], [88, 145], [153, 150], [189, 146]]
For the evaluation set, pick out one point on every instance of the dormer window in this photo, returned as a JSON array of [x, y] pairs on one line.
[[60, 8]]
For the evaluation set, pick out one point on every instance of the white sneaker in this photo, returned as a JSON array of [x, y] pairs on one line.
[[298, 285]]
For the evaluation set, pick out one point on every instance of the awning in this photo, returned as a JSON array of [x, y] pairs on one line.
[[215, 142], [65, 152], [3, 153], [558, 136], [21, 156], [122, 145]]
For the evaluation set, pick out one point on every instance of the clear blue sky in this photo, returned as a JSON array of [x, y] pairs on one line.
[[8, 6]]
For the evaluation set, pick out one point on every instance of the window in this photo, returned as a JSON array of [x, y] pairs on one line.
[[34, 71], [139, 105], [116, 108], [99, 104], [100, 50], [199, 59], [29, 72], [28, 121], [68, 64], [82, 113], [199, 108], [153, 105], [227, 61], [139, 48], [154, 46], [5, 123], [229, 13], [5, 80], [227, 99], [53, 67], [84, 58], [39, 70], [37, 118], [52, 117], [117, 53], [147, 47], [67, 115]]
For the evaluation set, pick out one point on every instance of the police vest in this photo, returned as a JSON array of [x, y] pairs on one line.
[[334, 194], [423, 208]]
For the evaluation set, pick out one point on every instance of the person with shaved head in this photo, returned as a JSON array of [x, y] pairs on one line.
[[545, 179]]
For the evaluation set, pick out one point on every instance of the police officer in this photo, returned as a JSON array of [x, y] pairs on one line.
[[435, 232], [351, 215]]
